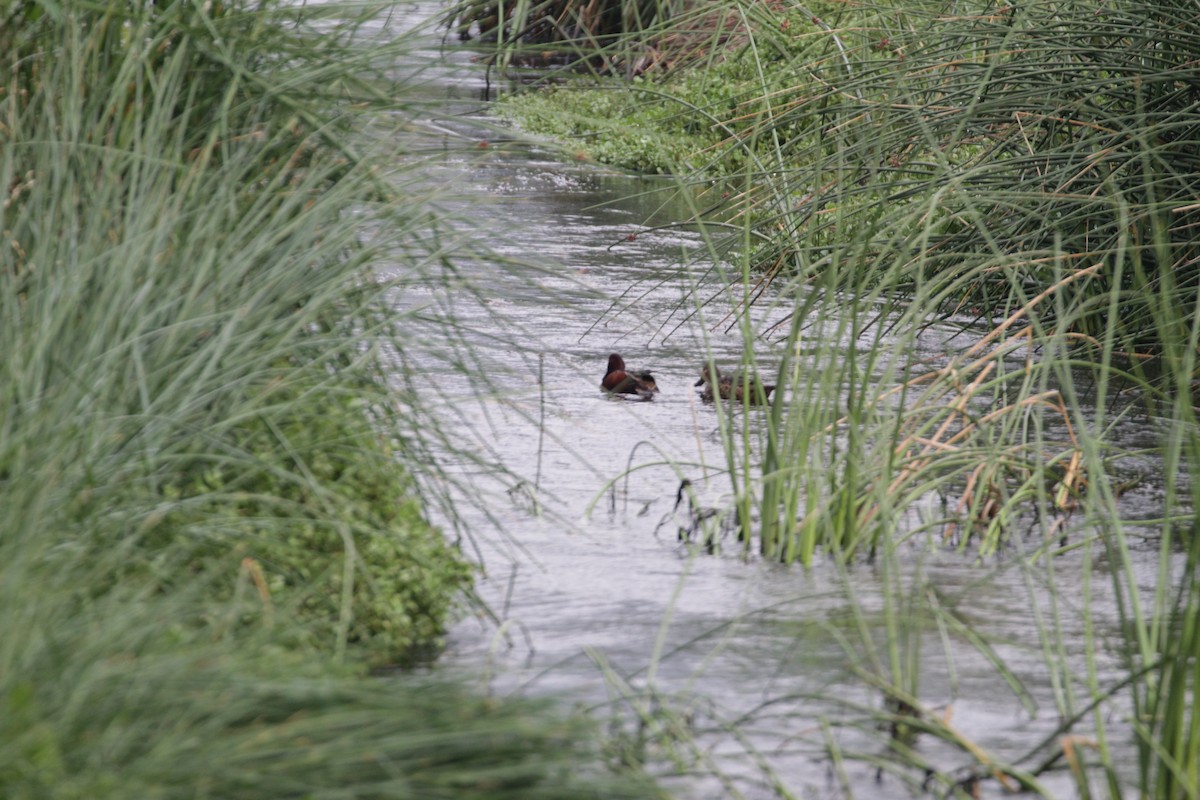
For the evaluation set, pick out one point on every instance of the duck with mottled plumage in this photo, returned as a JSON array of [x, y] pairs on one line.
[[733, 387], [619, 380]]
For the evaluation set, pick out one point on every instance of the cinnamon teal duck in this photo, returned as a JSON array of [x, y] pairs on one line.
[[618, 380], [733, 387]]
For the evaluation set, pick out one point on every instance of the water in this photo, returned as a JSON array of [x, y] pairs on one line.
[[594, 596]]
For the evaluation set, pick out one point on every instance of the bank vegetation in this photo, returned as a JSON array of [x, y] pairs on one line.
[[216, 515], [972, 226]]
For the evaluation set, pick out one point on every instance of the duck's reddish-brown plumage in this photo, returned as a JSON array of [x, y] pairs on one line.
[[618, 380]]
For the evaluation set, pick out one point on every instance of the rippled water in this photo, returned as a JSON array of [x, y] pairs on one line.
[[584, 570]]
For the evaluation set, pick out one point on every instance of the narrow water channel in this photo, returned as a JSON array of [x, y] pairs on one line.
[[593, 593]]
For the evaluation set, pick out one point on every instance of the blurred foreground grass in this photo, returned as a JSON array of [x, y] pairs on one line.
[[210, 525]]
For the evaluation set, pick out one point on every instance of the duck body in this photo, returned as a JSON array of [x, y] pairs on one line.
[[619, 380], [736, 387]]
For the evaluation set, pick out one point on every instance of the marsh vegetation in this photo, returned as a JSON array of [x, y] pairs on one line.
[[1015, 182], [958, 241], [216, 497]]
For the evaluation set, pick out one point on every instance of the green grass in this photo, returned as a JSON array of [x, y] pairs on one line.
[[1025, 173], [214, 517], [196, 311]]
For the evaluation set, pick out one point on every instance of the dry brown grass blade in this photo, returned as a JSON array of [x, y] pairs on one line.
[[1024, 310], [957, 425]]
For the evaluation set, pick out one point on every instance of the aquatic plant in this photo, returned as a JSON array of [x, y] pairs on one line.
[[977, 232], [1048, 235]]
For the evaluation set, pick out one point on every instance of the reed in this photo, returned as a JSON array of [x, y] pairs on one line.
[[1010, 193]]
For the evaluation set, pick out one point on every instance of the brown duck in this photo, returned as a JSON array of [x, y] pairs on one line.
[[733, 387], [618, 380]]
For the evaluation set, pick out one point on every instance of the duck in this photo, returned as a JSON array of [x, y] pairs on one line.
[[618, 380], [733, 387]]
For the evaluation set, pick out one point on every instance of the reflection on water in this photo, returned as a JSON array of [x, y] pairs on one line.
[[584, 567]]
